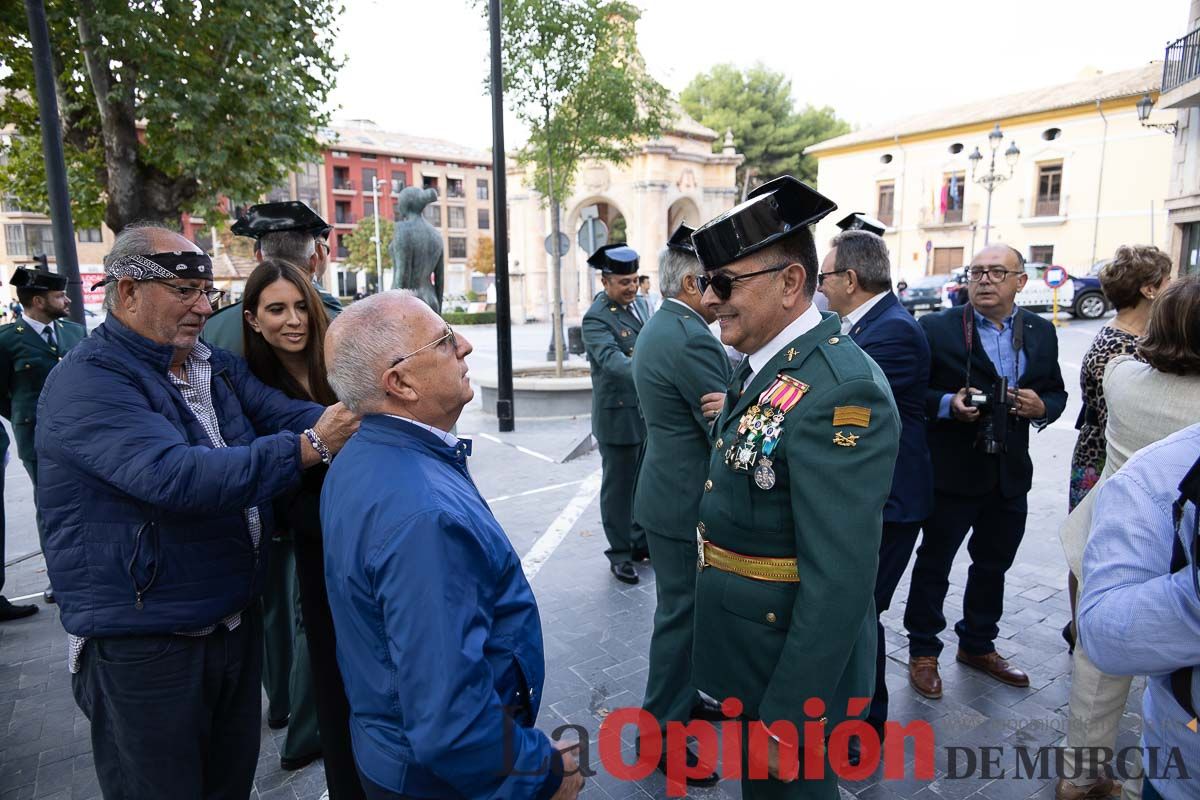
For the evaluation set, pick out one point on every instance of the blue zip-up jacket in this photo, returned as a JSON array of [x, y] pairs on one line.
[[438, 634], [135, 498]]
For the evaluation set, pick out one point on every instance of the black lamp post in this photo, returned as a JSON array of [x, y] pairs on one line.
[[1144, 107], [993, 179]]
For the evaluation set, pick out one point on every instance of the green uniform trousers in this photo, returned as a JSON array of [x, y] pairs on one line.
[[670, 694], [287, 671], [619, 465]]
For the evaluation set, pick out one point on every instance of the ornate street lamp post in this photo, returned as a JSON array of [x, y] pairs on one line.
[[1144, 106], [993, 179]]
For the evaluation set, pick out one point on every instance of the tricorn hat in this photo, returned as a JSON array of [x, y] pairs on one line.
[[858, 221], [291, 215], [38, 280], [681, 240], [615, 259]]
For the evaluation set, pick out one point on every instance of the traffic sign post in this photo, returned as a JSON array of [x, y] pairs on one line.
[[1054, 278]]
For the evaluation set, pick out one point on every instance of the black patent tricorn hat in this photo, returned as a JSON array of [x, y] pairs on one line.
[[681, 240], [858, 221], [290, 215], [38, 280], [615, 259], [772, 212]]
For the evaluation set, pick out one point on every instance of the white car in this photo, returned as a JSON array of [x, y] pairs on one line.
[[1079, 297]]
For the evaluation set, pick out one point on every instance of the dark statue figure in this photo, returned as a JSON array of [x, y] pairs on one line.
[[416, 249]]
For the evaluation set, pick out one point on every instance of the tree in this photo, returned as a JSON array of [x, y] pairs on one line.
[[360, 245], [484, 260], [168, 105], [757, 106], [574, 76]]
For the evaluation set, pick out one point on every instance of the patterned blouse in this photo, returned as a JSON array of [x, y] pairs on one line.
[[1087, 462]]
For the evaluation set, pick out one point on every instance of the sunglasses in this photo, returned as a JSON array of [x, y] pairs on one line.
[[722, 282]]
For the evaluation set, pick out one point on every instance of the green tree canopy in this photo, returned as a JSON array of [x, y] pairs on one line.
[[361, 246], [757, 106], [168, 105]]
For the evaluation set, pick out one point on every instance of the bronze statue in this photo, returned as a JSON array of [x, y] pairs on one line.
[[416, 249]]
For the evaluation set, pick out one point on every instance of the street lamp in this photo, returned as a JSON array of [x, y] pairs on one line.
[[1144, 106], [375, 238], [993, 179]]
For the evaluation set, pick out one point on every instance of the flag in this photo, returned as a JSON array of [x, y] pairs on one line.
[[945, 192]]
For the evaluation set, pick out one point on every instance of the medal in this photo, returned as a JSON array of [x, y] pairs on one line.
[[764, 475]]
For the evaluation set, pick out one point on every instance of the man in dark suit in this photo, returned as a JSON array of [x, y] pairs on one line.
[[856, 279], [981, 466], [678, 362], [610, 330]]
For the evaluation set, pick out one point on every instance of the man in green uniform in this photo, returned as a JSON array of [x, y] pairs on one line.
[[290, 231], [30, 347], [678, 362], [791, 512], [610, 330]]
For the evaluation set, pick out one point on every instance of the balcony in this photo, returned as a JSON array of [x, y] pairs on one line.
[[1181, 68], [951, 219], [347, 220], [345, 185]]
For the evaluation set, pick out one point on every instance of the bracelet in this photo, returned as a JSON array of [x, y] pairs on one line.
[[319, 445]]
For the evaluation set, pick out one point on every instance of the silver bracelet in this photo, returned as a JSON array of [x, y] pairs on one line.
[[319, 445]]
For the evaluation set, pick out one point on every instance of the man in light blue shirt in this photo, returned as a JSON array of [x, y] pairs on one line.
[[1139, 617]]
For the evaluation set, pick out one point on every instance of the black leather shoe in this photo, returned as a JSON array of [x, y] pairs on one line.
[[48, 595], [8, 611], [279, 724], [300, 762], [711, 779], [624, 572], [1068, 634], [708, 710], [854, 746]]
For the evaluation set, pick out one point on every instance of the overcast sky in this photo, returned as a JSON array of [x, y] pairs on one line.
[[418, 67]]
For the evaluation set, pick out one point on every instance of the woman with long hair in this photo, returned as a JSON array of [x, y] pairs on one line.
[[283, 330]]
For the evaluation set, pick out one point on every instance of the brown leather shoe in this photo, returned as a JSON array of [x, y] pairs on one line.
[[993, 664], [1105, 787], [923, 675]]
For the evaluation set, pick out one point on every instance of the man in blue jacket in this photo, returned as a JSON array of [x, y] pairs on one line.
[[158, 459], [856, 278], [438, 634]]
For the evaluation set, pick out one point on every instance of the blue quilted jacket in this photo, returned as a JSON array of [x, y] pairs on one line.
[[146, 532]]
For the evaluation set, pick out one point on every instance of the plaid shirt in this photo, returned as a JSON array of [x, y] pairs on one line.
[[196, 389]]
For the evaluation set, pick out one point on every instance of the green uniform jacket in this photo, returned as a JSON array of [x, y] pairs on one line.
[[224, 328], [677, 360], [774, 645], [609, 334], [25, 361]]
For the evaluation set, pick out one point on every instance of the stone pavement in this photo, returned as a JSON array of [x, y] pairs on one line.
[[597, 631]]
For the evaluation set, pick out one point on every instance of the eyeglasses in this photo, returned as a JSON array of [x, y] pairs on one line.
[[995, 274], [189, 295], [821, 276], [449, 334], [722, 282]]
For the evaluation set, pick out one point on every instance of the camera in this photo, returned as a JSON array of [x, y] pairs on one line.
[[993, 417]]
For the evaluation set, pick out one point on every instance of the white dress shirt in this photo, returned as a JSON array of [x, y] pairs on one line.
[[853, 318], [801, 325], [38, 327]]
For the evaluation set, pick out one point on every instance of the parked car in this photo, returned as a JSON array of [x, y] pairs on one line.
[[1080, 296], [923, 294]]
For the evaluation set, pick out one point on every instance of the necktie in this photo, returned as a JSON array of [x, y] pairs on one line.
[[633, 309], [739, 379], [48, 331]]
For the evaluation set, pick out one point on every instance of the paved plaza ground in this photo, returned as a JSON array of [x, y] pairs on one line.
[[597, 631]]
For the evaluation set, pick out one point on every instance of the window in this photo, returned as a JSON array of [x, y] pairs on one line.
[[340, 154], [342, 214], [457, 216], [887, 203], [342, 250], [368, 208], [29, 240], [399, 181], [308, 186], [367, 156], [953, 189], [454, 187], [89, 235], [1049, 191], [484, 219], [458, 247], [1189, 260], [280, 193], [433, 215], [481, 189], [1042, 253], [341, 178], [946, 259], [368, 179], [429, 181], [396, 159]]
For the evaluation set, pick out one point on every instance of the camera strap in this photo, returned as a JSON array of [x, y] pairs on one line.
[[1189, 491], [1018, 340]]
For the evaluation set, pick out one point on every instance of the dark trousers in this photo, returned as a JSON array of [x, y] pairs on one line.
[[670, 694], [287, 673], [174, 716], [2, 528], [895, 549], [30, 465], [823, 788], [619, 465], [997, 525], [333, 710]]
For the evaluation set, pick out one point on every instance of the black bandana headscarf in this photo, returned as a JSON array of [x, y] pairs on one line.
[[159, 266]]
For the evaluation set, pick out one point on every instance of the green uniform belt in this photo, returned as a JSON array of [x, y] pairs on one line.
[[760, 568]]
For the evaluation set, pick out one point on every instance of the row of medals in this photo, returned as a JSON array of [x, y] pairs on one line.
[[758, 434]]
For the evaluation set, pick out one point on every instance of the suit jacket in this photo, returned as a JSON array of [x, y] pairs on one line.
[[678, 360], [773, 645], [224, 328], [25, 361], [609, 335], [892, 338], [959, 466]]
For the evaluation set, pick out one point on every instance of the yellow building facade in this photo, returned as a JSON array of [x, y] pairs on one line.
[[1088, 178]]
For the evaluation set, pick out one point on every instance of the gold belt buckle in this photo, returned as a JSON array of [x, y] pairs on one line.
[[700, 562]]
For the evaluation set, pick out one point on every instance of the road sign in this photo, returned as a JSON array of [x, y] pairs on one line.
[[1055, 277], [593, 234], [564, 244], [928, 245]]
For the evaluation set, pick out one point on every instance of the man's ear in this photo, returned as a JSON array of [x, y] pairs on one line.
[[794, 277], [396, 385], [127, 293]]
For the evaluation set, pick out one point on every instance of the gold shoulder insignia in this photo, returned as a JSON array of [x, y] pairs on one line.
[[857, 416]]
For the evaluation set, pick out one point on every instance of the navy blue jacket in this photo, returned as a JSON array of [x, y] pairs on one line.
[[890, 336], [134, 496], [438, 634], [959, 466]]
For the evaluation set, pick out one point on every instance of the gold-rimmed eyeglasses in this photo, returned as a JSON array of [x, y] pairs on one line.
[[449, 334], [190, 295]]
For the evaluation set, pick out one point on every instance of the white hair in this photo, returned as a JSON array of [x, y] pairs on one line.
[[363, 341], [135, 239], [673, 267], [296, 247]]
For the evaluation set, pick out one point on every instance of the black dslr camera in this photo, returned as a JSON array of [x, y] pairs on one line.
[[993, 417]]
